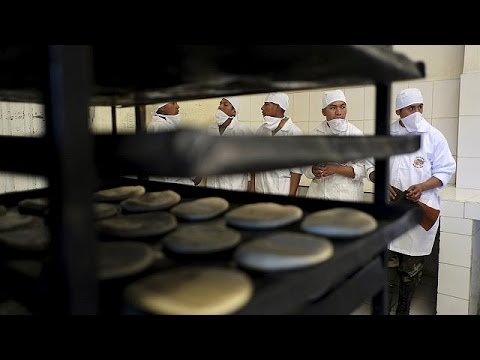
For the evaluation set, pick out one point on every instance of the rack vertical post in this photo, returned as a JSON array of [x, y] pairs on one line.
[[72, 285], [382, 175]]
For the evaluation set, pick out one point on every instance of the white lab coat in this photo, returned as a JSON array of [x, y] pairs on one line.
[[433, 159], [277, 181], [337, 187], [238, 182], [160, 125]]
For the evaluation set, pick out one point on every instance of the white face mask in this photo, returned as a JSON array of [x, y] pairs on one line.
[[171, 119], [221, 117], [412, 122], [271, 123], [337, 125]]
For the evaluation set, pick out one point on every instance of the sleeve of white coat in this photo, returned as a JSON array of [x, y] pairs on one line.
[[154, 127], [296, 132], [248, 132], [296, 170], [443, 164], [369, 166], [358, 169], [307, 171], [359, 166]]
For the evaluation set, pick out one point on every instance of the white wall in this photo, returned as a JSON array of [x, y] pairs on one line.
[[442, 61], [20, 119]]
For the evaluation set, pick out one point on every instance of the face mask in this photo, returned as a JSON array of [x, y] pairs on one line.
[[221, 117], [171, 119], [412, 122], [271, 123], [337, 125]]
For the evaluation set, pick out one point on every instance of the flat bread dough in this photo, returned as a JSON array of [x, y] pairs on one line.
[[35, 204], [12, 307], [283, 250], [137, 225], [339, 222], [12, 220], [27, 267], [104, 210], [191, 290], [35, 237], [151, 201], [201, 238], [265, 215], [201, 209], [123, 258], [119, 193]]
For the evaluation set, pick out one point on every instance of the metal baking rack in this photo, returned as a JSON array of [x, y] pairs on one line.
[[68, 78]]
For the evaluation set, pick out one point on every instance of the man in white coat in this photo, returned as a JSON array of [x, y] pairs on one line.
[[420, 175], [332, 181], [167, 118], [227, 124], [281, 181]]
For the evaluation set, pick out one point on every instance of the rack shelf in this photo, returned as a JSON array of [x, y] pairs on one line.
[[193, 152], [287, 292], [205, 71]]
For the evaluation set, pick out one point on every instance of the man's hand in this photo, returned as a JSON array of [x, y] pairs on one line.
[[392, 193], [414, 192], [317, 170], [323, 170]]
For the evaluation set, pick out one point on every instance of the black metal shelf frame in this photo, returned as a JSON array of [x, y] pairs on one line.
[[73, 77]]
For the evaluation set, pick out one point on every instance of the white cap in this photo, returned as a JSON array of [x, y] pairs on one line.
[[332, 96], [408, 97], [235, 101], [278, 98], [160, 106]]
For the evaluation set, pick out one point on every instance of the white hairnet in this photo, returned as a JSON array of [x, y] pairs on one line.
[[278, 98], [408, 97], [160, 106], [332, 96], [235, 101]]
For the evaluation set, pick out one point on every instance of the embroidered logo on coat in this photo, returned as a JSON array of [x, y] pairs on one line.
[[418, 162]]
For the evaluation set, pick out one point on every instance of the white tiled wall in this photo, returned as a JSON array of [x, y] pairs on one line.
[[21, 119], [455, 249], [301, 112], [473, 308], [369, 103], [467, 172], [457, 225], [468, 130], [454, 280], [356, 103], [315, 105], [459, 257], [449, 128], [472, 208], [453, 208], [445, 98], [469, 104], [450, 305]]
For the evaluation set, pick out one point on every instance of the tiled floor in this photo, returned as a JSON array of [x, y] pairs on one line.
[[424, 300]]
